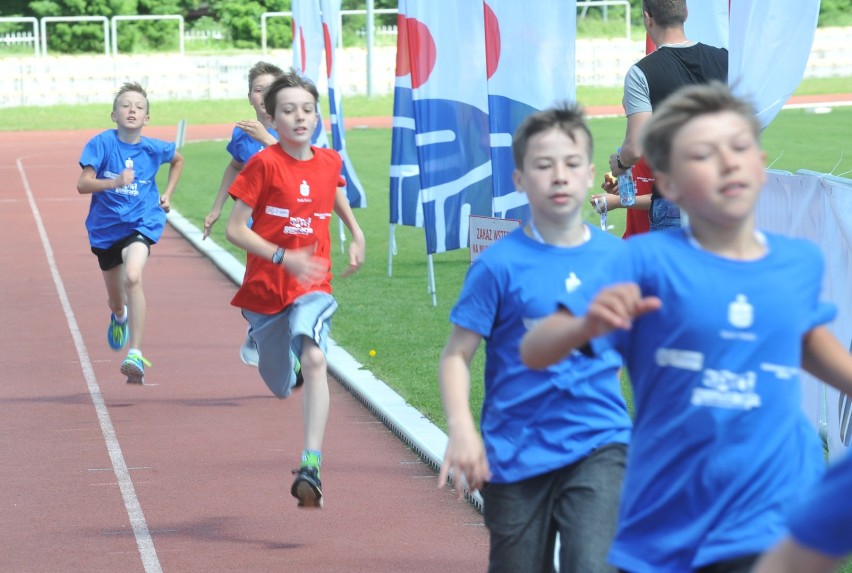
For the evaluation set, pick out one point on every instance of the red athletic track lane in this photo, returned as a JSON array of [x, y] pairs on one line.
[[207, 451]]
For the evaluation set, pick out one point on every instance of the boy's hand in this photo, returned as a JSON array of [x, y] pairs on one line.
[[256, 131], [209, 221], [308, 268], [610, 183], [164, 203], [356, 257], [465, 460], [616, 307], [124, 178]]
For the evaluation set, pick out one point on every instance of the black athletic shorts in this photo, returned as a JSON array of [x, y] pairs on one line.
[[110, 257]]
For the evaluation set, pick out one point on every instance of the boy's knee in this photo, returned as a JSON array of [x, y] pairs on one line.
[[313, 358]]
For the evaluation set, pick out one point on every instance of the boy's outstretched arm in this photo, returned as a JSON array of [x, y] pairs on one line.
[[554, 337], [824, 357], [175, 169], [231, 171], [465, 456], [358, 246]]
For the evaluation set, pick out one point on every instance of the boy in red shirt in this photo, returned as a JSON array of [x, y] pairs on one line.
[[289, 190]]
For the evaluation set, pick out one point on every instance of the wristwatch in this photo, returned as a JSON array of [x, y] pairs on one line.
[[278, 256], [619, 163]]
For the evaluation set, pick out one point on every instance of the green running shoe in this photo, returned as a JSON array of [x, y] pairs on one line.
[[134, 368]]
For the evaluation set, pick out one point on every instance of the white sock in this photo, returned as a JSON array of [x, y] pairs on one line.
[[123, 318]]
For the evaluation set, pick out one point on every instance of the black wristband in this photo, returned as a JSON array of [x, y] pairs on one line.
[[278, 256], [619, 163]]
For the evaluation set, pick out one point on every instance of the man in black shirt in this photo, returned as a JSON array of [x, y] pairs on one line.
[[676, 62]]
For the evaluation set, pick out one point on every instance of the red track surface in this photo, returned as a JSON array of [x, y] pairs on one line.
[[208, 451]]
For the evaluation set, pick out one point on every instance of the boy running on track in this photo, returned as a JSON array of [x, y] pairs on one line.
[[721, 448], [127, 215], [248, 137], [289, 190], [552, 452]]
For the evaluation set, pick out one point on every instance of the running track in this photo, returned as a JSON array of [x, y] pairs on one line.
[[190, 472]]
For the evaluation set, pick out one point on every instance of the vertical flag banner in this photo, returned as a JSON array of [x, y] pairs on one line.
[[405, 205], [707, 22], [449, 87], [307, 50], [331, 34], [530, 55], [770, 45]]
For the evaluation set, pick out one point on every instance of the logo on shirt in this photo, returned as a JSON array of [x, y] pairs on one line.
[[299, 226], [726, 389], [740, 312], [277, 211], [572, 283], [304, 189]]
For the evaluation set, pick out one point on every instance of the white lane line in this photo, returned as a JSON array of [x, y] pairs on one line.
[[131, 503]]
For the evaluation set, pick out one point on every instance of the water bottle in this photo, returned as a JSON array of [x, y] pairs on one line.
[[626, 187]]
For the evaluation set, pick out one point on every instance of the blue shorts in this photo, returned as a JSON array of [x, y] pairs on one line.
[[664, 214], [276, 335]]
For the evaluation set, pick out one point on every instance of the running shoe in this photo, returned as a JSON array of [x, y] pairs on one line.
[[117, 333], [134, 368], [307, 487], [248, 351]]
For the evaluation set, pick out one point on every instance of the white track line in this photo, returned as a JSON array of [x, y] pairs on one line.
[[134, 510]]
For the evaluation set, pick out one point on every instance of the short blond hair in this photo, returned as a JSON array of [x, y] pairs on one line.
[[681, 107], [131, 87]]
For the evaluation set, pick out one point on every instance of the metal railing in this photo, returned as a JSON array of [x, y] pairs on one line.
[[116, 19], [34, 22], [47, 19]]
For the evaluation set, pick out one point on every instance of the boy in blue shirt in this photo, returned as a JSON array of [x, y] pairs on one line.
[[553, 446], [249, 137], [127, 215], [714, 322]]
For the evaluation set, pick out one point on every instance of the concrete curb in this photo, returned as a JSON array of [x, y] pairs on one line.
[[406, 422]]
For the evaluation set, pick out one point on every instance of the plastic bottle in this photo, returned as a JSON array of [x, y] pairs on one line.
[[626, 187]]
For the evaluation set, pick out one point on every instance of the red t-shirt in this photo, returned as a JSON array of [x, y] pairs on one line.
[[292, 202]]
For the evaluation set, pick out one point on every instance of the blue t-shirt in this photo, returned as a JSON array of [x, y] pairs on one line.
[[243, 146], [117, 213], [536, 421], [721, 447], [823, 521]]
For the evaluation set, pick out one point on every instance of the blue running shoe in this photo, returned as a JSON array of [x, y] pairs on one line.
[[117, 334], [134, 368]]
